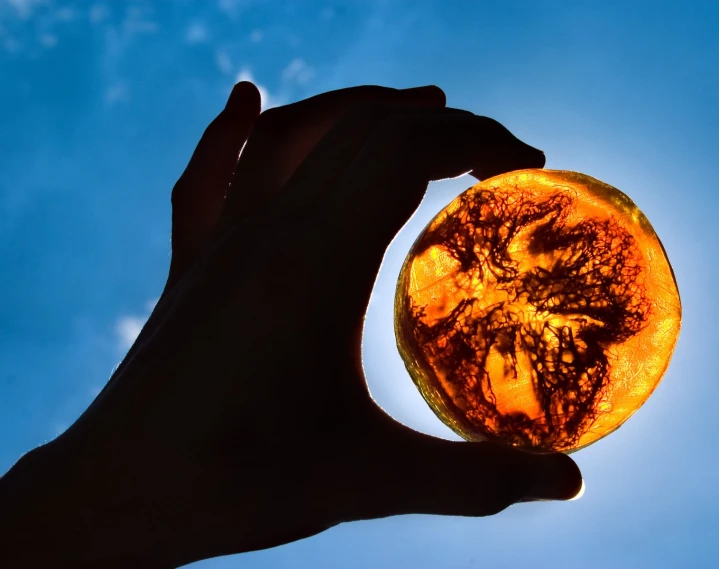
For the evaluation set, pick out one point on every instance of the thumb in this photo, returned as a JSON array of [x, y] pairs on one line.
[[199, 195], [419, 474]]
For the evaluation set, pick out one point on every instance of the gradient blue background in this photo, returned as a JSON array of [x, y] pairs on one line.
[[101, 104]]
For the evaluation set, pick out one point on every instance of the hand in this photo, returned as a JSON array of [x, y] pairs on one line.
[[241, 418]]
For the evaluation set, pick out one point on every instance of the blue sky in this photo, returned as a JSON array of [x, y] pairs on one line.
[[101, 104]]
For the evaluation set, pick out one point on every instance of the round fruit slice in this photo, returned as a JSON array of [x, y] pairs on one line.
[[538, 309]]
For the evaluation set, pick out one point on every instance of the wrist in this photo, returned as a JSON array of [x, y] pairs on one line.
[[36, 524], [52, 513]]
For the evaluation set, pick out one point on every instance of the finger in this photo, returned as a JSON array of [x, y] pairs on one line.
[[321, 173], [388, 178], [419, 474], [284, 136], [199, 194], [482, 172]]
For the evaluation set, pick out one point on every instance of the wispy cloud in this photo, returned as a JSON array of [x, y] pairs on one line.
[[196, 33], [58, 427], [138, 20], [25, 8], [298, 71], [118, 39], [128, 327], [65, 14], [256, 36], [224, 63], [117, 93], [12, 45], [26, 25], [48, 40], [98, 13], [232, 8]]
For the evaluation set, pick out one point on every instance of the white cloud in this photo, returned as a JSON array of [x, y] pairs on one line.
[[256, 36], [12, 45], [59, 428], [118, 38], [48, 40], [226, 5], [94, 390], [128, 329], [298, 71], [98, 13], [25, 8], [137, 21], [133, 27], [65, 14], [268, 101], [232, 7], [117, 93], [196, 33], [223, 61]]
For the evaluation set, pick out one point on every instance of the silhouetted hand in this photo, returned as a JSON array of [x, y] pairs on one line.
[[241, 418]]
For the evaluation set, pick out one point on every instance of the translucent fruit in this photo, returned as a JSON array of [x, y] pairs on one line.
[[538, 309]]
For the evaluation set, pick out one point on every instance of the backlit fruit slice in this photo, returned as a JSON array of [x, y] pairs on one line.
[[538, 309]]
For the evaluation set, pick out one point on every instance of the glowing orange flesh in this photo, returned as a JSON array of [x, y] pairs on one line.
[[537, 309]]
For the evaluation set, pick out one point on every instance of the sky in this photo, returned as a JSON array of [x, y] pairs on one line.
[[102, 103]]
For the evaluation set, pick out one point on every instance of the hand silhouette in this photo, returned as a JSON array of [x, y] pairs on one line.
[[241, 419]]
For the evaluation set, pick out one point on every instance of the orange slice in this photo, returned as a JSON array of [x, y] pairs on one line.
[[538, 309]]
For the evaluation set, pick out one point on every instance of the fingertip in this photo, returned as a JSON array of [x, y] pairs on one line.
[[244, 99], [581, 492], [535, 157], [429, 94], [436, 94], [554, 477], [519, 156]]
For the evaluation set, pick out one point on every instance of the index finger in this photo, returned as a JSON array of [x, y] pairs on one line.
[[284, 136]]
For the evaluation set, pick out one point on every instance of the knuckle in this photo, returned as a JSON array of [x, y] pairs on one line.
[[490, 125], [273, 121], [179, 195], [365, 111], [268, 119], [493, 505], [272, 115], [402, 130], [400, 125], [403, 138]]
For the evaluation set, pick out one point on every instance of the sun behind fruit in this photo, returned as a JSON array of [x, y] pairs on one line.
[[538, 309]]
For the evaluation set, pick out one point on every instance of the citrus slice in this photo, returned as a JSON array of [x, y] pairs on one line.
[[538, 309]]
